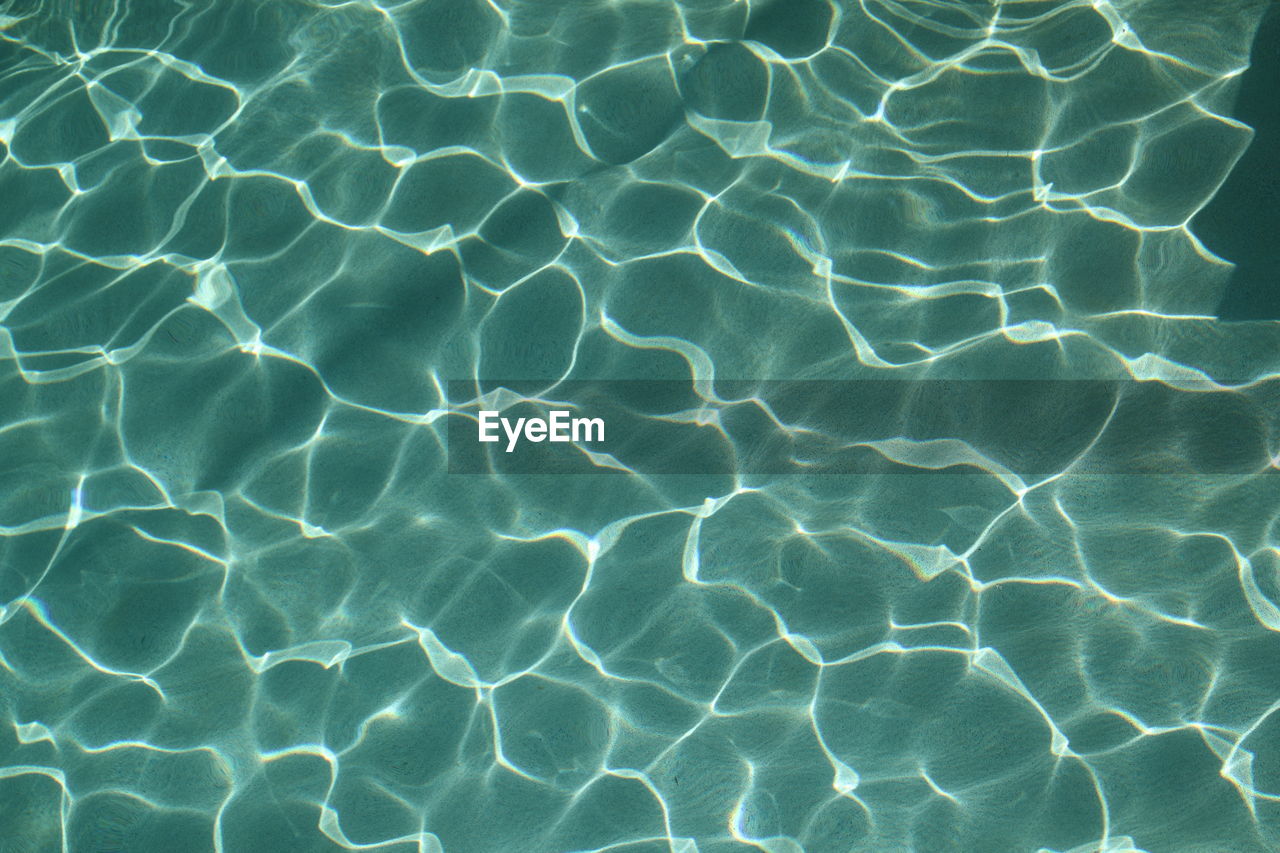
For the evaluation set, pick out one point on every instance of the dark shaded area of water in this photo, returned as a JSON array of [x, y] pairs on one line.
[[1242, 223]]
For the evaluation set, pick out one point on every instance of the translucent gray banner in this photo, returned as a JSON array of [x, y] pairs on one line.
[[1021, 430]]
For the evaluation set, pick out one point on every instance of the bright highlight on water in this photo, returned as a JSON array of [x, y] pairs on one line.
[[298, 299]]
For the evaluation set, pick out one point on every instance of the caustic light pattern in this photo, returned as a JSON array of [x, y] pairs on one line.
[[246, 248]]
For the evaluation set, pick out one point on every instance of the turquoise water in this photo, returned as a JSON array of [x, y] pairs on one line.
[[262, 265]]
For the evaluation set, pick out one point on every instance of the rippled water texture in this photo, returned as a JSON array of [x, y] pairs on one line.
[[247, 249]]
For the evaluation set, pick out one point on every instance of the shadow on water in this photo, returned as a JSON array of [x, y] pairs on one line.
[[1242, 222]]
